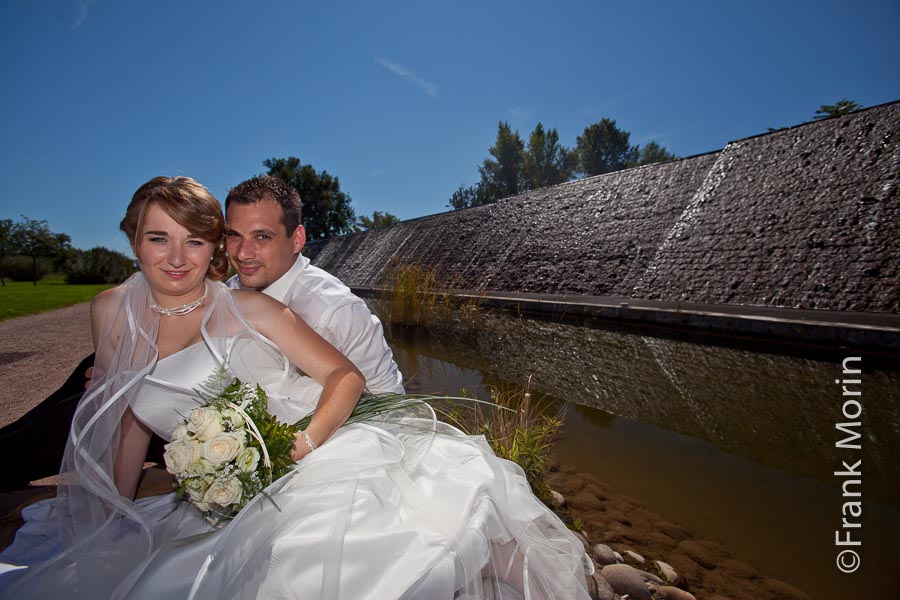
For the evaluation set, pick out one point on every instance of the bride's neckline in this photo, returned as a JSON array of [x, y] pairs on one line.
[[177, 352]]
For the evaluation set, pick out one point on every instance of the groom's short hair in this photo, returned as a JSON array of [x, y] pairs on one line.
[[265, 187]]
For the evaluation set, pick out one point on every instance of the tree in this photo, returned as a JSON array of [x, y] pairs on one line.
[[6, 244], [501, 176], [326, 209], [98, 265], [842, 107], [604, 148], [469, 197], [34, 239], [546, 162], [653, 153], [377, 221]]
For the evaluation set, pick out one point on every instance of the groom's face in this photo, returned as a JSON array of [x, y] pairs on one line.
[[258, 245]]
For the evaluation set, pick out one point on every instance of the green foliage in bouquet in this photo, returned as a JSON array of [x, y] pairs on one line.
[[278, 436], [230, 448]]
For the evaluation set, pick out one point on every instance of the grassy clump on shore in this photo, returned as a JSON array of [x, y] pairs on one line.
[[20, 298], [411, 298], [519, 428], [418, 296]]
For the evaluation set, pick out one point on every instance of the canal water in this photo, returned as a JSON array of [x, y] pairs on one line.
[[732, 439]]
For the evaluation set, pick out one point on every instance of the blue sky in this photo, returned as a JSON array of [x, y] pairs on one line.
[[400, 100]]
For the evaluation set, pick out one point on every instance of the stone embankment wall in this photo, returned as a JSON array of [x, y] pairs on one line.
[[806, 217]]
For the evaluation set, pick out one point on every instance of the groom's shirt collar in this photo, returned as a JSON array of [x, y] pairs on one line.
[[280, 288]]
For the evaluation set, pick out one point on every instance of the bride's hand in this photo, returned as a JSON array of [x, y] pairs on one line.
[[300, 448], [342, 383]]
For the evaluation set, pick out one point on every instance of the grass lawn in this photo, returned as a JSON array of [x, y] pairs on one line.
[[18, 298]]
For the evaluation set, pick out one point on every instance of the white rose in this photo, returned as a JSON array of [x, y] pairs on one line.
[[231, 415], [203, 466], [222, 448], [204, 423], [180, 432], [196, 489], [248, 460], [178, 457], [224, 492]]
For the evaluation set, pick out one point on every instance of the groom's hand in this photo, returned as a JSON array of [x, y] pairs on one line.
[[88, 374]]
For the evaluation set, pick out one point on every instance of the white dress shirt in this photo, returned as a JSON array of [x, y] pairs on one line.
[[342, 318]]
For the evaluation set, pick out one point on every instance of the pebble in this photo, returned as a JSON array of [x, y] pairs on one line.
[[674, 593], [650, 577], [583, 539], [632, 556], [626, 580], [586, 501], [604, 555], [667, 571], [782, 589], [604, 590], [741, 569], [676, 532], [707, 554], [557, 500]]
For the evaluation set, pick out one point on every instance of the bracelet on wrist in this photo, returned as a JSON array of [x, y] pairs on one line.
[[309, 441]]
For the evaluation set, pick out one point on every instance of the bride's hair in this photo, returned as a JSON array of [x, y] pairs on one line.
[[190, 205]]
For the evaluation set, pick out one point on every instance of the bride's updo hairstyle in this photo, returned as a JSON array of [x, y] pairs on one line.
[[190, 205]]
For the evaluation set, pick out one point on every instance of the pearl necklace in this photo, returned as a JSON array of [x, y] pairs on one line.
[[179, 310]]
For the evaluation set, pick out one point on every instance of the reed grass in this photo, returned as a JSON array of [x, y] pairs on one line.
[[419, 296], [520, 427], [411, 298], [517, 426]]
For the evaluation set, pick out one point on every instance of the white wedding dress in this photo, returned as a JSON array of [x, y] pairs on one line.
[[406, 508]]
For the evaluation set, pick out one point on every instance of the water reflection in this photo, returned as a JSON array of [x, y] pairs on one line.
[[777, 409], [737, 445]]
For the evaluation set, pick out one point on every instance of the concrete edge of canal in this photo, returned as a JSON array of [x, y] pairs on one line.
[[869, 331]]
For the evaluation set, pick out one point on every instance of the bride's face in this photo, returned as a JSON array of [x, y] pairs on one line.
[[173, 260]]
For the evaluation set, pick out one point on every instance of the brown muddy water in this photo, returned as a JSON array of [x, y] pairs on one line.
[[735, 440]]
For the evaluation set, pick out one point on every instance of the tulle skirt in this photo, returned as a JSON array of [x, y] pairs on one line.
[[410, 508]]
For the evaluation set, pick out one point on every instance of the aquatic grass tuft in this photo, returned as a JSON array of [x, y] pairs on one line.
[[411, 300], [518, 427], [419, 296]]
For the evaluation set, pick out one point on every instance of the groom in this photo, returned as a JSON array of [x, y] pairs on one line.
[[263, 237]]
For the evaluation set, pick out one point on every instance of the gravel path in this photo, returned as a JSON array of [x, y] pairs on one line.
[[37, 354]]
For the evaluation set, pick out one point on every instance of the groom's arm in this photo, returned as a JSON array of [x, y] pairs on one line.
[[358, 335], [44, 431]]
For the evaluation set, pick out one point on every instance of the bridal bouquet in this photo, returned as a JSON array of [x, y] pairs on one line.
[[230, 448]]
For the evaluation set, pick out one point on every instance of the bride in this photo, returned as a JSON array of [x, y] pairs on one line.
[[407, 507]]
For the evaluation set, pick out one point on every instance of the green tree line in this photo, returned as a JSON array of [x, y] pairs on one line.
[[514, 167], [29, 250]]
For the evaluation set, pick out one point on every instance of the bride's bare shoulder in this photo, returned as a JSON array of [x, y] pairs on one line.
[[256, 303], [258, 308], [102, 300], [103, 310]]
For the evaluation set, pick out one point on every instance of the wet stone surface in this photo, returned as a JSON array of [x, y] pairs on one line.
[[806, 217]]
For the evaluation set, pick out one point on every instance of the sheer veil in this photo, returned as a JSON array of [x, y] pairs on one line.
[[103, 535]]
